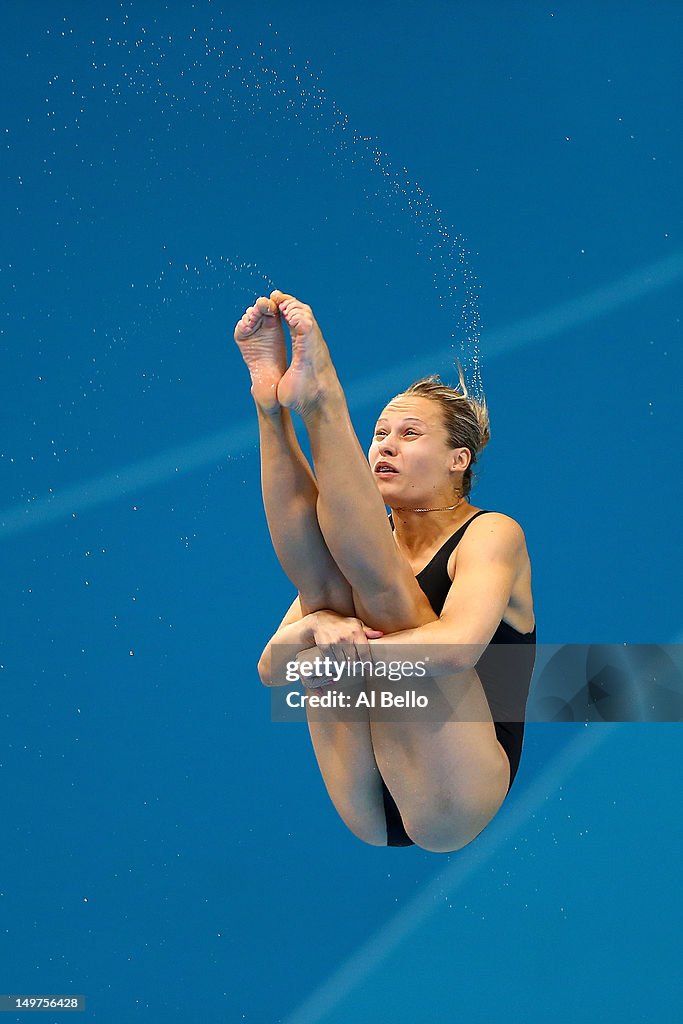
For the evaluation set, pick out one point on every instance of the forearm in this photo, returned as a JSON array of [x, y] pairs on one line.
[[285, 644], [438, 641]]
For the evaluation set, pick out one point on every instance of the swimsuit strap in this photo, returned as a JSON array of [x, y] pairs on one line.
[[452, 542]]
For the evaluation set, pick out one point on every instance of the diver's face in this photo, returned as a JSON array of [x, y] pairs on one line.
[[410, 456]]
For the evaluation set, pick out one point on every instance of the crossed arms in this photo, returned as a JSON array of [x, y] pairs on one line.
[[489, 559]]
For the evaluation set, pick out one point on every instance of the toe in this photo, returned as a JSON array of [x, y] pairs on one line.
[[279, 297], [264, 305]]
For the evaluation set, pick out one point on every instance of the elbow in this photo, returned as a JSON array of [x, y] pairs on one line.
[[462, 657], [469, 662], [263, 668]]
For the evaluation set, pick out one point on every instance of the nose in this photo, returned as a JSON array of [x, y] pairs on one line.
[[387, 446]]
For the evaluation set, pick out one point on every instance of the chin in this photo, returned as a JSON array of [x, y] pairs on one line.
[[387, 490]]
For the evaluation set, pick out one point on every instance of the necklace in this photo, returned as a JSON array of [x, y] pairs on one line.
[[447, 508]]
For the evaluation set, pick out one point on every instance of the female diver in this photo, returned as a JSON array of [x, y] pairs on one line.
[[438, 571]]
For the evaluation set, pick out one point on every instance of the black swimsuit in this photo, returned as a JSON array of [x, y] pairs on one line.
[[435, 583]]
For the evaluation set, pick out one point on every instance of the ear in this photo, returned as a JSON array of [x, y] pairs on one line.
[[460, 459]]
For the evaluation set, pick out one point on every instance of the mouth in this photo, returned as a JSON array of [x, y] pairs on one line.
[[385, 469]]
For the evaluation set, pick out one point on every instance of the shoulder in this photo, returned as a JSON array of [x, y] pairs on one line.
[[489, 539], [493, 534]]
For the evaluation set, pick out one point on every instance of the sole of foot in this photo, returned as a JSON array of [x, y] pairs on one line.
[[260, 337], [310, 377]]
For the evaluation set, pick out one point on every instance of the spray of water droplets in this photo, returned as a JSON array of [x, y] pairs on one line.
[[205, 72]]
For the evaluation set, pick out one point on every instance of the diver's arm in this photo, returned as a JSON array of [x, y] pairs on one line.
[[294, 634], [337, 636], [489, 558]]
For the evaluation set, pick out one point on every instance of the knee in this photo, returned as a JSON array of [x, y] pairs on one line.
[[449, 832], [370, 832], [394, 604], [370, 828], [445, 824], [442, 837]]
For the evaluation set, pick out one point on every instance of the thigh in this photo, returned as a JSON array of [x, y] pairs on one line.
[[344, 753], [510, 736], [402, 605], [444, 776]]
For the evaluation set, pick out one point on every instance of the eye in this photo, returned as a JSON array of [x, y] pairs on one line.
[[379, 432], [410, 430]]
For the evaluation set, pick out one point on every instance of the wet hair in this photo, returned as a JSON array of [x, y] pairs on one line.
[[465, 418]]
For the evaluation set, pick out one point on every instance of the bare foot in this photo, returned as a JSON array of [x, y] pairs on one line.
[[310, 377], [261, 340]]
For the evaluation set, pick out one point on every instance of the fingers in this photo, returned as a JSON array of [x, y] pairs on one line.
[[341, 649], [338, 653], [312, 682], [355, 651], [345, 642], [362, 657], [369, 634]]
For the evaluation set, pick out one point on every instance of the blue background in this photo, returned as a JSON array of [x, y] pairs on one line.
[[499, 182]]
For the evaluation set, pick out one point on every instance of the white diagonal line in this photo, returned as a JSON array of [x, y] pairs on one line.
[[215, 447], [101, 489], [508, 821]]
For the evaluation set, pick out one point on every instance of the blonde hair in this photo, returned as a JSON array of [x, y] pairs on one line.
[[465, 418]]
